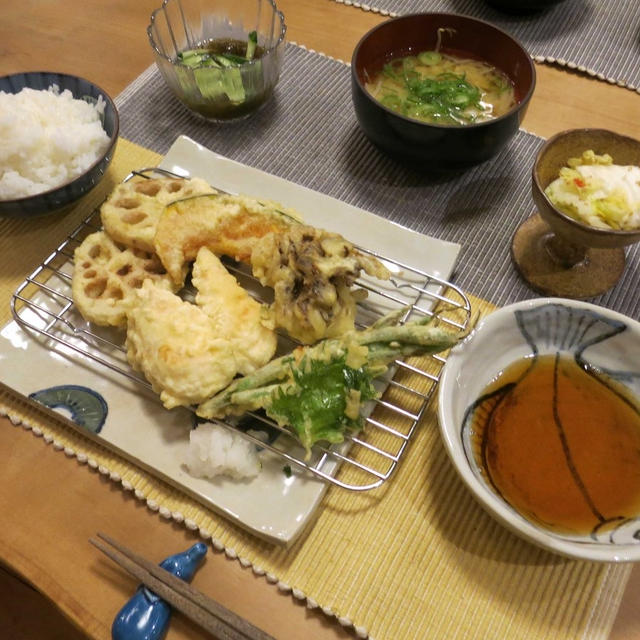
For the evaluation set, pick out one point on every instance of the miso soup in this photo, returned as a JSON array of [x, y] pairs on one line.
[[441, 88]]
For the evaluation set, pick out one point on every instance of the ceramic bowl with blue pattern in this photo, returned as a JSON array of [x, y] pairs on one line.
[[61, 197], [539, 411]]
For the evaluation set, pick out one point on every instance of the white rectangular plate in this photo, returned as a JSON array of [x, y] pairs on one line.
[[274, 506]]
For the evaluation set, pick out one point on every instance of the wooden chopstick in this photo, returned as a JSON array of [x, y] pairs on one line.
[[223, 623]]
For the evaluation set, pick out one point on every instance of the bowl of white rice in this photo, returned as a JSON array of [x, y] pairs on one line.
[[57, 137]]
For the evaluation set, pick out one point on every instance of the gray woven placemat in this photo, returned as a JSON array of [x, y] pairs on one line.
[[308, 134], [598, 37]]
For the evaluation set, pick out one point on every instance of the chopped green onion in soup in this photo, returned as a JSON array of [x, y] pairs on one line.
[[440, 88]]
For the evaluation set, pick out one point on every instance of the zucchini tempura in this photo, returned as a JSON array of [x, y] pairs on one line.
[[228, 225], [130, 214], [312, 272]]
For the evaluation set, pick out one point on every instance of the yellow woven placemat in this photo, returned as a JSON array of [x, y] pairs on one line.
[[417, 558]]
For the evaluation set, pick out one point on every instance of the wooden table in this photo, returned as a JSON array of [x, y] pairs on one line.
[[43, 539]]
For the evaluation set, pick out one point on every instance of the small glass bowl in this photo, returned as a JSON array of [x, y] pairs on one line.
[[219, 94]]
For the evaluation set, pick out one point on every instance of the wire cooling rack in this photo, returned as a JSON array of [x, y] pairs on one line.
[[43, 304]]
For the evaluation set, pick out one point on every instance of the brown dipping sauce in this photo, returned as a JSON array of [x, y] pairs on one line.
[[561, 444]]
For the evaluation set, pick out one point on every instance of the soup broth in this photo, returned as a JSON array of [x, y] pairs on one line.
[[441, 88]]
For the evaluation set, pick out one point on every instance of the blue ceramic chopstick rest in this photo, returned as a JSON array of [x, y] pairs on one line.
[[146, 616]]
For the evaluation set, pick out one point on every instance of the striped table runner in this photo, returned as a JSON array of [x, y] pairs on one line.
[[597, 37]]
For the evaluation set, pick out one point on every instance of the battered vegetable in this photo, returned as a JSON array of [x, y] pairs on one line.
[[312, 273], [318, 391]]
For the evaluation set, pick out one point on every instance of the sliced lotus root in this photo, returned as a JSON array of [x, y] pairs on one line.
[[130, 214], [106, 276]]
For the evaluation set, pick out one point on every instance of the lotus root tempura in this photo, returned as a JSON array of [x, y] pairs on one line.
[[440, 88]]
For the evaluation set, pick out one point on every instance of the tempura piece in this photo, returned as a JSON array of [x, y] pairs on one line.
[[177, 347], [236, 315], [318, 391], [228, 225], [131, 212], [106, 276], [312, 272]]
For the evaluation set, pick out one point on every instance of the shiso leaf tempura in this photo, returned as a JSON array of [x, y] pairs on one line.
[[317, 391]]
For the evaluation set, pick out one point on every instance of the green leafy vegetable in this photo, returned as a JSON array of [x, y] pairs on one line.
[[219, 72], [444, 98], [252, 43], [316, 404]]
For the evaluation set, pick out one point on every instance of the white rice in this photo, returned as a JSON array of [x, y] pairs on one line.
[[46, 139], [215, 450]]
